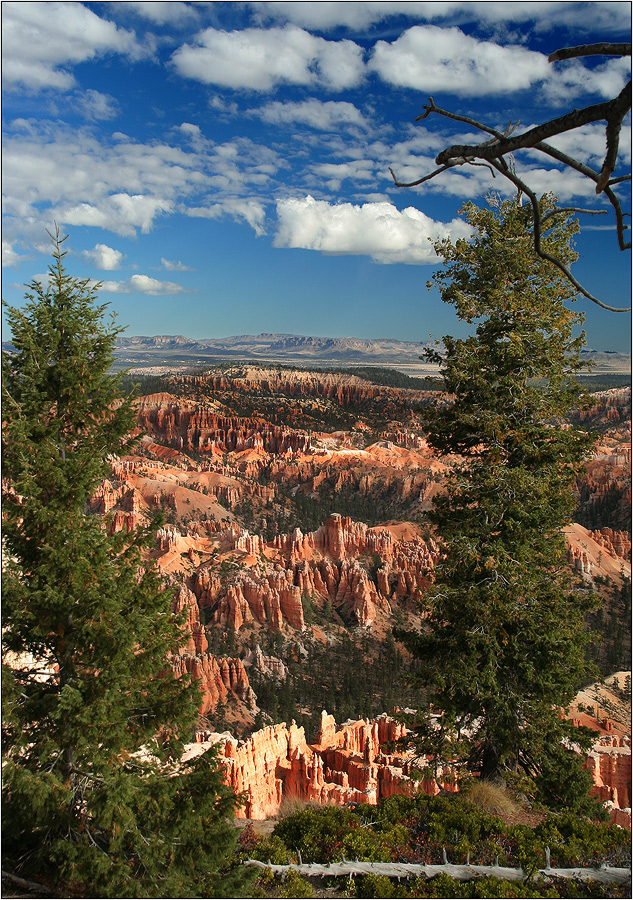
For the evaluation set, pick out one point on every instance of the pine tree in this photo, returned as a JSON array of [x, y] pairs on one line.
[[95, 800], [502, 649]]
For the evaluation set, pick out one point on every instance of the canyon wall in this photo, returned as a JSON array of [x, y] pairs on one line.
[[349, 763], [346, 764], [324, 563], [190, 426]]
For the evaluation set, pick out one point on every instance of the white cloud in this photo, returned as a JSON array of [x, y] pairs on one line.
[[175, 266], [123, 185], [142, 284], [329, 115], [428, 58], [120, 213], [192, 131], [565, 183], [571, 78], [332, 175], [248, 210], [96, 106], [582, 16], [40, 38], [168, 12], [260, 60], [104, 257], [378, 230], [10, 256]]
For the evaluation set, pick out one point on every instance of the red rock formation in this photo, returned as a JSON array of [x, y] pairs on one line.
[[348, 764], [307, 568], [344, 390], [185, 601], [217, 679], [610, 766], [345, 765], [193, 427], [616, 543], [272, 599]]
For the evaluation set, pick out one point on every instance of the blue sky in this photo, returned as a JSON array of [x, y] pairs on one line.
[[223, 168]]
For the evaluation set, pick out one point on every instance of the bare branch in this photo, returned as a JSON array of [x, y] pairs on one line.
[[420, 180], [604, 49], [24, 884], [591, 173], [493, 151], [572, 210], [611, 111]]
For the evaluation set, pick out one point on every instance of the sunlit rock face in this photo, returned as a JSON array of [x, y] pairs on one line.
[[347, 763]]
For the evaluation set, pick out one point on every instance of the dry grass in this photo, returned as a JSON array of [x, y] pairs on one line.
[[493, 799], [291, 804]]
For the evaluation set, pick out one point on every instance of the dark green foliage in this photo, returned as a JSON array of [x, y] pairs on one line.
[[604, 382], [391, 378], [417, 829], [326, 834], [503, 649], [327, 678], [94, 717]]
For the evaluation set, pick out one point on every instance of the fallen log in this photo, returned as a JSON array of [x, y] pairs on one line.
[[603, 875]]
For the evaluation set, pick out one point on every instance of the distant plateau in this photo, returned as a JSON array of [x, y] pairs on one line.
[[175, 352]]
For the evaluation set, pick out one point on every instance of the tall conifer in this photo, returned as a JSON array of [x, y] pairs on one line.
[[503, 639], [95, 800]]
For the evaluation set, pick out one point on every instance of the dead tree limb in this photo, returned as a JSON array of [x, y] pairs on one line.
[[492, 153]]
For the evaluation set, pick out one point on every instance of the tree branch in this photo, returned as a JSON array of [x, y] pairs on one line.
[[604, 49], [24, 884], [543, 253], [613, 111], [493, 151]]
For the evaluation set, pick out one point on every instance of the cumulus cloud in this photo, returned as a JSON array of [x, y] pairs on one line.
[[167, 12], [104, 257], [378, 230], [121, 213], [39, 39], [545, 16], [329, 115], [247, 210], [261, 59], [10, 256], [175, 266], [142, 284], [96, 106], [428, 58]]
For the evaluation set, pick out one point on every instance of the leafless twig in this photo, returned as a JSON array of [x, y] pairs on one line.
[[492, 153]]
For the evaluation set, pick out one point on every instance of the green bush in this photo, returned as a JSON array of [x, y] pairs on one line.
[[370, 886], [273, 850], [295, 886], [318, 833]]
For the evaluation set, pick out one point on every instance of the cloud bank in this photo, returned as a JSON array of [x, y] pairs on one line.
[[378, 230]]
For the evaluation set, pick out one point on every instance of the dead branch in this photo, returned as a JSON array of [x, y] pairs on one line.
[[604, 49], [493, 151], [24, 884], [613, 111]]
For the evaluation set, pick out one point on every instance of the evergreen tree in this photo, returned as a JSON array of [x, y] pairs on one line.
[[503, 645], [95, 800]]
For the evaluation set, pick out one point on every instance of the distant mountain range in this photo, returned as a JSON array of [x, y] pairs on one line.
[[278, 348], [176, 351], [302, 350]]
